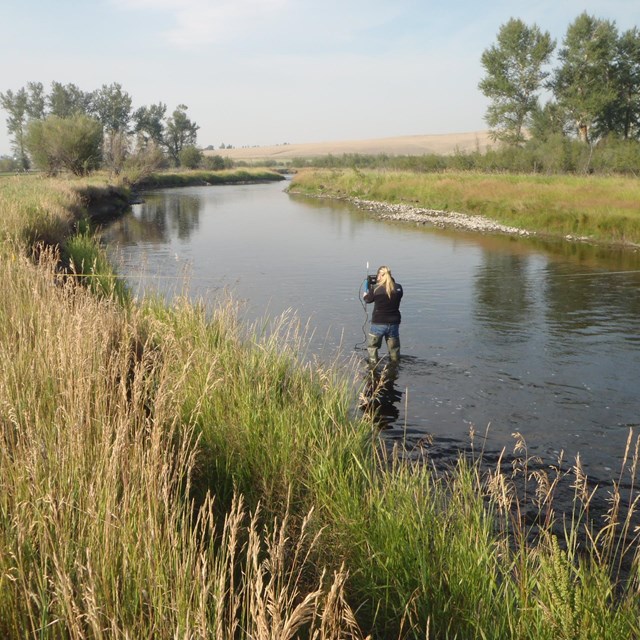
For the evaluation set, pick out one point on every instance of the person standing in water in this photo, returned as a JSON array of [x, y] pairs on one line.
[[385, 293]]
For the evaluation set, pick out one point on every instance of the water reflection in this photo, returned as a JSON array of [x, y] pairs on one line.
[[161, 217], [503, 290], [182, 216], [380, 396]]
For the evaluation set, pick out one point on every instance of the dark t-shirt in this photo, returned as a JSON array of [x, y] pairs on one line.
[[386, 310]]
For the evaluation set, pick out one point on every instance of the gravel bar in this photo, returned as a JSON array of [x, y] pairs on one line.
[[437, 218]]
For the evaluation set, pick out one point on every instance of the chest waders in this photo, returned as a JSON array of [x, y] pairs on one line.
[[374, 343]]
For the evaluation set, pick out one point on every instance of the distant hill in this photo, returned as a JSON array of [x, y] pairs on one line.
[[441, 144]]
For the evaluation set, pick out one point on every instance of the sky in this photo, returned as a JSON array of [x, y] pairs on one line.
[[263, 72]]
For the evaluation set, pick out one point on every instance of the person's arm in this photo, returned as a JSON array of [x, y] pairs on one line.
[[368, 290], [368, 293]]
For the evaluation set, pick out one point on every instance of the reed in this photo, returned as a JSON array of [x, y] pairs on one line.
[[598, 207], [97, 460]]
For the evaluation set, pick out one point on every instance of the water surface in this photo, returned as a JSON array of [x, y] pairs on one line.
[[513, 335]]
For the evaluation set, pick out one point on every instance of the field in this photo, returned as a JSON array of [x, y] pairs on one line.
[[596, 208], [441, 144]]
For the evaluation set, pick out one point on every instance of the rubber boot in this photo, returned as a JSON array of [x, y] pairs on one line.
[[372, 347], [393, 344]]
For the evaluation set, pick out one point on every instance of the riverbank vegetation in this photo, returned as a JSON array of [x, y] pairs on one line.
[[202, 177], [556, 155], [166, 471], [603, 209]]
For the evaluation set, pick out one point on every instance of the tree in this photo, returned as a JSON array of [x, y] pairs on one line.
[[625, 117], [16, 106], [66, 100], [8, 164], [36, 102], [112, 107], [215, 163], [22, 106], [180, 132], [547, 121], [514, 75], [584, 84], [144, 162], [115, 151], [71, 143], [148, 124]]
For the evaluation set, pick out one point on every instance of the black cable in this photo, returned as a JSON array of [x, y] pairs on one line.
[[360, 346]]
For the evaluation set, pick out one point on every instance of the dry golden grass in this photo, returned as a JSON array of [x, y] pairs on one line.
[[441, 144], [98, 535]]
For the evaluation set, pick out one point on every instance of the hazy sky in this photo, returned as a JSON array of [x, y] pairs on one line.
[[257, 72]]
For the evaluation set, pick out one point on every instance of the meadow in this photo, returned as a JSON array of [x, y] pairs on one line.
[[166, 471], [599, 208]]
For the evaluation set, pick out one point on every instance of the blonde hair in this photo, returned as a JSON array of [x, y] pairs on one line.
[[385, 280]]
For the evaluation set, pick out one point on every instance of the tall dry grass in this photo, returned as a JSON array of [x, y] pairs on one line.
[[36, 209], [98, 534]]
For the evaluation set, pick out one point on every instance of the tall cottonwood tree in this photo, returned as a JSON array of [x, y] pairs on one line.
[[15, 104], [585, 82], [112, 108], [37, 101], [179, 133], [515, 74], [66, 100], [22, 106], [148, 124], [626, 110]]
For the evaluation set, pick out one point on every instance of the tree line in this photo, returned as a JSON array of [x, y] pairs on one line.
[[589, 123], [594, 89], [75, 130]]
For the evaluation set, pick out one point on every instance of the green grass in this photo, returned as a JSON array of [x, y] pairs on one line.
[[88, 263], [202, 177], [166, 471], [604, 209]]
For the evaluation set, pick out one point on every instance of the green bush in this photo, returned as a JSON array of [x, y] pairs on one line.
[[213, 163], [617, 156], [72, 144], [190, 157]]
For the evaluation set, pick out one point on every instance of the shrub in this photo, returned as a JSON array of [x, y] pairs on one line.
[[190, 157], [617, 156], [142, 164], [73, 144], [213, 163]]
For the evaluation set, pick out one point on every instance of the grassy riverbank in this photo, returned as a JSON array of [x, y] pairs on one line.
[[604, 209], [206, 178], [139, 439]]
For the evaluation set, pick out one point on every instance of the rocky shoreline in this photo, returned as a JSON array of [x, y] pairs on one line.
[[420, 215], [450, 219]]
